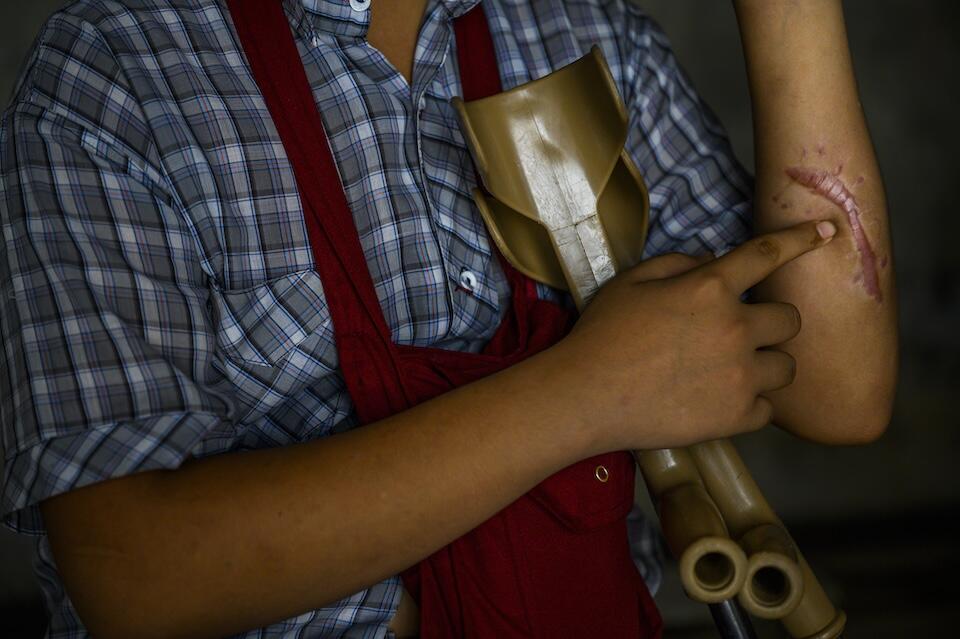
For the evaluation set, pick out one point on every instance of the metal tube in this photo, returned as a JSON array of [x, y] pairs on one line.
[[731, 621]]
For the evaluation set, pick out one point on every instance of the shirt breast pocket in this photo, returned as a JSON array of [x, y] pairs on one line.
[[260, 325], [273, 340]]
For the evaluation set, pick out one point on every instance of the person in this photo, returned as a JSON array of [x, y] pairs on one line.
[[177, 432]]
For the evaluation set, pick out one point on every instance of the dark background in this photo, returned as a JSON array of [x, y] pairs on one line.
[[879, 522]]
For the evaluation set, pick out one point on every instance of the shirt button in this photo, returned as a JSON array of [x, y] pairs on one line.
[[359, 5], [468, 280]]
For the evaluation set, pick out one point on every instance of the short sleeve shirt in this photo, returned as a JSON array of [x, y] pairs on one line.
[[159, 294]]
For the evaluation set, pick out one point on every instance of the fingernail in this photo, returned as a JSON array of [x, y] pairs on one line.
[[826, 230]]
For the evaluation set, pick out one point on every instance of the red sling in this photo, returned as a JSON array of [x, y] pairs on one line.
[[556, 562]]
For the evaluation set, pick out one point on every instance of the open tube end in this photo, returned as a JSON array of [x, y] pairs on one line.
[[713, 569], [773, 585]]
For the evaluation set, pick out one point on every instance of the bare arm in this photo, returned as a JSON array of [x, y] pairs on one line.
[[815, 160], [238, 541]]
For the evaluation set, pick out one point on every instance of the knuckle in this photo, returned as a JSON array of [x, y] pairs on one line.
[[745, 411], [769, 248], [710, 286], [738, 330], [739, 377], [670, 265], [750, 420], [755, 423]]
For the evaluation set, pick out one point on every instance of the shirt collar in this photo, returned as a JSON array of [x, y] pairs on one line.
[[337, 16]]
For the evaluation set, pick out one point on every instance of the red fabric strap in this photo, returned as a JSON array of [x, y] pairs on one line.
[[476, 56], [276, 65], [555, 562]]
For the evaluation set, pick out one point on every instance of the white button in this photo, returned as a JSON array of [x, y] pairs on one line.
[[468, 280], [359, 5]]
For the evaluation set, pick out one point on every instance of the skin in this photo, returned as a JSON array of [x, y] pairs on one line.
[[238, 541], [807, 115], [833, 189], [393, 30]]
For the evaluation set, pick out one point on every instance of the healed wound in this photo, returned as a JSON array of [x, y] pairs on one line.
[[831, 187]]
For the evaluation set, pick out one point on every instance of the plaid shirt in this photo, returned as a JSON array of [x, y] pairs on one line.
[[160, 298]]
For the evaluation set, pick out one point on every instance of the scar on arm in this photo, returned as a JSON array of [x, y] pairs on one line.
[[830, 187]]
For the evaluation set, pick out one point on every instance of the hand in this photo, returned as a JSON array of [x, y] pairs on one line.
[[667, 355]]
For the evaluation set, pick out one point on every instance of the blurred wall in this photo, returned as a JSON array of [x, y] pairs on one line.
[[906, 55]]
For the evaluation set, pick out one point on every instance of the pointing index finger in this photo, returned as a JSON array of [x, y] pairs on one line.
[[756, 259]]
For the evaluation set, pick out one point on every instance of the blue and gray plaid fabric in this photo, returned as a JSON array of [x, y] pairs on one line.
[[159, 297]]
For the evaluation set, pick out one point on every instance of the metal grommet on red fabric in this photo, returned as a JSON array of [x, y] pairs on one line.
[[601, 473]]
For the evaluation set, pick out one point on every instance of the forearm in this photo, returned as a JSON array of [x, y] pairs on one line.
[[238, 541], [815, 159]]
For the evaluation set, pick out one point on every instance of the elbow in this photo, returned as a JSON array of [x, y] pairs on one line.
[[837, 432], [855, 417], [855, 430], [862, 429], [868, 413], [874, 424], [862, 419]]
